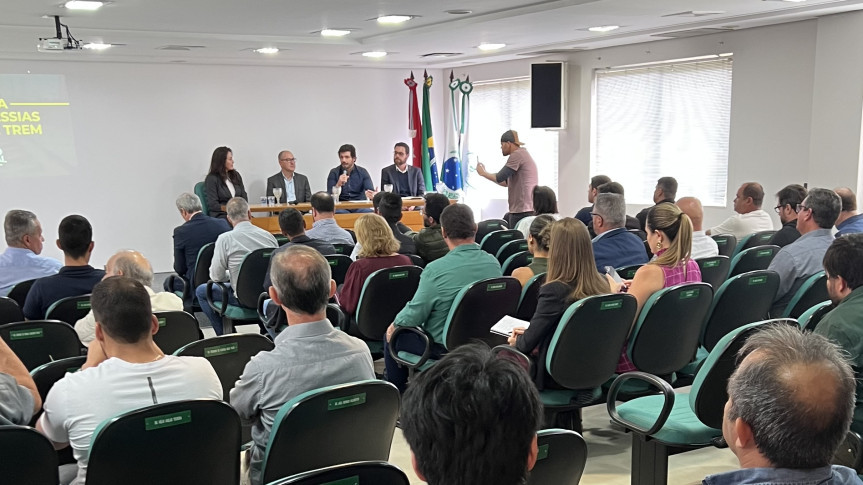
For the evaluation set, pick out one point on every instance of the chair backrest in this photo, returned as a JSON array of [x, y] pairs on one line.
[[585, 348], [628, 272], [228, 354], [176, 329], [417, 260], [510, 248], [38, 342], [202, 264], [384, 294], [69, 309], [666, 332], [193, 441], [761, 238], [28, 457], [19, 292], [371, 472], [726, 243], [339, 264], [10, 311], [495, 240], [812, 292], [517, 260], [336, 316], [487, 226], [561, 458], [47, 374], [331, 426], [714, 270], [752, 259], [743, 299], [529, 297], [199, 191], [809, 319], [250, 278], [342, 248], [476, 308]]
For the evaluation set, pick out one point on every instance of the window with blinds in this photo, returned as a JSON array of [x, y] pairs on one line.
[[664, 120]]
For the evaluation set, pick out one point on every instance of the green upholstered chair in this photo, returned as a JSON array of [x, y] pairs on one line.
[[176, 329], [529, 297], [343, 249], [752, 259], [714, 270], [487, 226], [10, 311], [362, 472], [69, 309], [202, 194], [561, 458], [28, 457], [38, 342], [495, 240], [727, 243], [339, 264], [812, 292], [628, 272], [510, 248], [384, 294], [331, 426], [202, 275], [761, 238], [250, 280], [809, 319], [517, 260]]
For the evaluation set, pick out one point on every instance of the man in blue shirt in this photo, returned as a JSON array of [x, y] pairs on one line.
[[21, 260], [75, 278], [849, 221], [353, 181]]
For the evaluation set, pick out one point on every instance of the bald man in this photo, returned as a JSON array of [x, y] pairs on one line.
[[703, 246], [295, 186], [134, 265], [849, 222]]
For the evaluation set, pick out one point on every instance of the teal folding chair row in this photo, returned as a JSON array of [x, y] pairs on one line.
[[714, 270], [727, 243], [761, 238], [250, 280], [812, 292], [517, 260], [510, 248], [339, 264], [69, 309], [495, 240], [38, 342], [487, 226], [529, 297], [809, 319], [385, 292], [751, 259]]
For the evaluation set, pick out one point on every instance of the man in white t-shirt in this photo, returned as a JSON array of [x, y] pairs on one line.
[[703, 246], [749, 218], [125, 370]]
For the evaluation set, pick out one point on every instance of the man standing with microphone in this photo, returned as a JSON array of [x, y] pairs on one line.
[[352, 180]]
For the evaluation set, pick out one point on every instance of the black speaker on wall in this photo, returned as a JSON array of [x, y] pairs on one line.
[[547, 84]]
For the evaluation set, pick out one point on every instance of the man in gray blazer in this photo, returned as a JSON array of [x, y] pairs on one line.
[[295, 186], [407, 180]]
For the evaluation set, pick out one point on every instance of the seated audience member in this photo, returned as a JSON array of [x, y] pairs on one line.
[[583, 214], [472, 419], [789, 405], [295, 186], [429, 241], [325, 227], [669, 233], [379, 251], [665, 191], [849, 221], [803, 258], [134, 265], [22, 261], [407, 180], [125, 370], [613, 245], [537, 244], [789, 197], [231, 248], [309, 354], [703, 246], [750, 218], [440, 282], [544, 202], [19, 397], [222, 182], [571, 276], [75, 278], [843, 263], [192, 235], [632, 225], [390, 208], [293, 227]]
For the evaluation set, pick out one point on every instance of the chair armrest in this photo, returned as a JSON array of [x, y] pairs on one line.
[[664, 387], [423, 336], [508, 352], [170, 281], [210, 284]]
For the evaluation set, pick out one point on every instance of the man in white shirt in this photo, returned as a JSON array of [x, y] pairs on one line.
[[22, 261], [125, 370], [703, 246], [749, 218], [134, 265], [231, 248]]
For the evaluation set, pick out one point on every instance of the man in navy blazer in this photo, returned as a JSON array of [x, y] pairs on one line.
[[613, 245], [407, 180], [295, 186], [197, 231]]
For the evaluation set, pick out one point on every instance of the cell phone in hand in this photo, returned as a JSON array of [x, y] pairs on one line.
[[613, 273]]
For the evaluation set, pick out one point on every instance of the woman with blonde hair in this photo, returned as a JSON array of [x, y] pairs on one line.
[[571, 276], [537, 244], [379, 251]]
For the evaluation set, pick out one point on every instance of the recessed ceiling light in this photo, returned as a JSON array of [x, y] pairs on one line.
[[604, 28], [490, 47], [267, 50], [375, 54], [83, 5], [96, 46], [394, 19], [335, 32]]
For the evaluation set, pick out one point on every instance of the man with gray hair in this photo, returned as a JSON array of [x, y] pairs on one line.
[[803, 258], [231, 248], [789, 408], [135, 266], [22, 261], [309, 354], [197, 230], [613, 245]]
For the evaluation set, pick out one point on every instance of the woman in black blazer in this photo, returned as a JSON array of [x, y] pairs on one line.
[[222, 182], [571, 276]]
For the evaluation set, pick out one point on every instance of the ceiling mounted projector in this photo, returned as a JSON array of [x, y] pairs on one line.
[[58, 43]]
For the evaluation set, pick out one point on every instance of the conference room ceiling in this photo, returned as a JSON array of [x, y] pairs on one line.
[[222, 32]]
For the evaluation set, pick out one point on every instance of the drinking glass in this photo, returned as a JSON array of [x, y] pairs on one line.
[[277, 193], [388, 187], [337, 191]]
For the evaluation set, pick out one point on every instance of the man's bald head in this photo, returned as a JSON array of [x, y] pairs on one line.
[[692, 208], [131, 264], [849, 200], [301, 279]]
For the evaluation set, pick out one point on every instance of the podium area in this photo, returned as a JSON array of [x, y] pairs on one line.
[[267, 216]]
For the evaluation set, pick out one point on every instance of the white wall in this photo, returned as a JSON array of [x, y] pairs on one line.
[[797, 96], [145, 133]]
